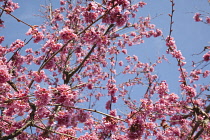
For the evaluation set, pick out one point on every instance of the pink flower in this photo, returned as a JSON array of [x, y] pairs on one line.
[[133, 34], [114, 99], [190, 91], [38, 77], [108, 105], [135, 58], [121, 63], [82, 116], [16, 45], [32, 31], [121, 20], [29, 50], [90, 86], [158, 33], [11, 6], [62, 2], [4, 74], [177, 54], [141, 4], [197, 17], [208, 20], [206, 73], [1, 23], [50, 64], [127, 67], [38, 36], [206, 56], [43, 97], [63, 118], [67, 34], [1, 39], [124, 51], [124, 3], [89, 16]]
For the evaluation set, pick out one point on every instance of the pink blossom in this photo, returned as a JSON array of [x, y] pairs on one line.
[[190, 91], [141, 4], [124, 51], [206, 56], [133, 34], [206, 73], [4, 73], [1, 39], [16, 45], [121, 20], [1, 23], [108, 105], [90, 16], [173, 97], [82, 116], [114, 99], [158, 33], [43, 112], [11, 6], [89, 136], [63, 118], [57, 15], [127, 67], [29, 50], [121, 63], [170, 42], [38, 76], [50, 65], [197, 17], [32, 31], [62, 2], [177, 54], [124, 3], [67, 34], [90, 86], [136, 129], [43, 96], [135, 58], [208, 20], [38, 36]]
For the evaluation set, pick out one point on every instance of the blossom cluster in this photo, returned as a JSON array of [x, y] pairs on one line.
[[197, 17]]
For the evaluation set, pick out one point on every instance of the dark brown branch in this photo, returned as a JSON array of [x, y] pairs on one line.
[[53, 55], [91, 110], [54, 132], [17, 132], [12, 85], [3, 6], [8, 12]]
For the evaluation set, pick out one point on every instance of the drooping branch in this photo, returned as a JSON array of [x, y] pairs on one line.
[[52, 131], [91, 110], [8, 12]]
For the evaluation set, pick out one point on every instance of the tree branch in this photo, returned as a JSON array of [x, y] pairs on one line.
[[55, 132]]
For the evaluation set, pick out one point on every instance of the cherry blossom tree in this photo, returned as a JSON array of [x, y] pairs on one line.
[[82, 61]]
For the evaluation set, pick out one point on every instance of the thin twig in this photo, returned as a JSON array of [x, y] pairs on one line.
[[16, 18], [55, 132], [91, 110]]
